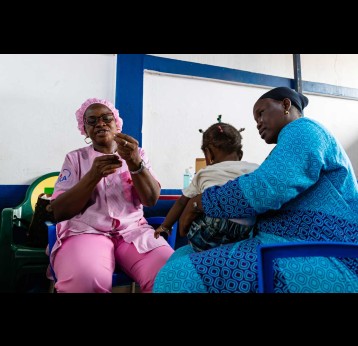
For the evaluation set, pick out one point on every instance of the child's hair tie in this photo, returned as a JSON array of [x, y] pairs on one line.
[[219, 121]]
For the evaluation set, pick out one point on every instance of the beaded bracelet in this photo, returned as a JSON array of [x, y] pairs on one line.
[[196, 207], [165, 229]]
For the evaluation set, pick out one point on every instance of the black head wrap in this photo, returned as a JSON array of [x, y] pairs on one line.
[[297, 99]]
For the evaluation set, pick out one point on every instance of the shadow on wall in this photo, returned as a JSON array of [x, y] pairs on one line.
[[352, 152]]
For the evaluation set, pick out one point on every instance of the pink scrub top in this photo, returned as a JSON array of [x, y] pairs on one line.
[[114, 208]]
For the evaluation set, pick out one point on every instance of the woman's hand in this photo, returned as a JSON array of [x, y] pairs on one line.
[[190, 213], [104, 165], [74, 201], [161, 229], [127, 148], [147, 188]]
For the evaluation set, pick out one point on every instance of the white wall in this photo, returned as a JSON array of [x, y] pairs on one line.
[[39, 97], [336, 69], [175, 107], [340, 117]]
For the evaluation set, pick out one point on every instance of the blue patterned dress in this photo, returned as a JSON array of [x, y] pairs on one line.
[[305, 190]]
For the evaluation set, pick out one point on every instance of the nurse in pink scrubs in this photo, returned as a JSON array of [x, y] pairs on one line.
[[98, 203]]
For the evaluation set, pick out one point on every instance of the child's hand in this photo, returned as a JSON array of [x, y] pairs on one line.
[[159, 230]]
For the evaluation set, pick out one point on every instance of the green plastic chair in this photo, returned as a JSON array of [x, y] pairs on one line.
[[18, 261]]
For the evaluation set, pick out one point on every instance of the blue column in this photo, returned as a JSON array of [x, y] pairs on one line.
[[129, 93]]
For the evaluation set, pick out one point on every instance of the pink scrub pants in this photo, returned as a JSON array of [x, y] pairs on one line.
[[85, 263]]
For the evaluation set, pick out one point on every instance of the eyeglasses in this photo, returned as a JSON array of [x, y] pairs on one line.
[[93, 120]]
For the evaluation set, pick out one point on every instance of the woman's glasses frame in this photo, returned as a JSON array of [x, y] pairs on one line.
[[92, 120]]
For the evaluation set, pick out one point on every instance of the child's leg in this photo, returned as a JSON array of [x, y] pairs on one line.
[[203, 232], [84, 264], [206, 232]]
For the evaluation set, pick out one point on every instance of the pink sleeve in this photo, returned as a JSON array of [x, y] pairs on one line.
[[56, 194], [68, 176]]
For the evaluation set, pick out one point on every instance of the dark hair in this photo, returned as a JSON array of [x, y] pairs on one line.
[[224, 137], [298, 100]]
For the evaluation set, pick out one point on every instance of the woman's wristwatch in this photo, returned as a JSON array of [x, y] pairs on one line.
[[142, 166]]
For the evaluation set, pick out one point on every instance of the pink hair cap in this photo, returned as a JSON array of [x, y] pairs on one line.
[[81, 111]]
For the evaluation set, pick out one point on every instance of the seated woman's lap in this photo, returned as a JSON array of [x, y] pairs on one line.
[[227, 268], [85, 264], [233, 268], [142, 267]]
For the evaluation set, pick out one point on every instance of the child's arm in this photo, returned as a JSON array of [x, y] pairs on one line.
[[172, 216]]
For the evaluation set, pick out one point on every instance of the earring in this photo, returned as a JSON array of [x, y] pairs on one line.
[[286, 112], [86, 141]]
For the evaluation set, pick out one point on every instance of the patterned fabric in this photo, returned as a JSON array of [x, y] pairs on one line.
[[305, 190]]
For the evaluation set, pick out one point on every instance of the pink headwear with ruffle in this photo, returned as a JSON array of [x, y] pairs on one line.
[[81, 111]]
